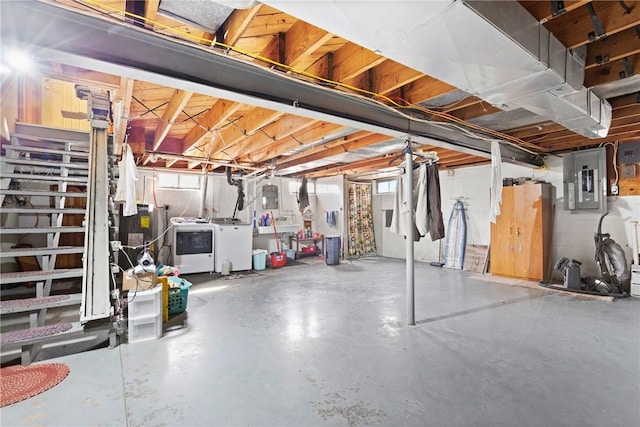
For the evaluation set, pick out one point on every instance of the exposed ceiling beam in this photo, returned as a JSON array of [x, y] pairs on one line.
[[612, 71], [572, 29], [352, 60], [302, 40], [189, 67], [151, 12], [216, 116], [542, 9], [323, 152], [270, 135], [318, 131], [237, 23], [613, 48], [178, 100], [247, 125], [125, 93]]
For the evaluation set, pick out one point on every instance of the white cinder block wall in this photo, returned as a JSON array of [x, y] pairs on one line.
[[329, 197], [572, 233]]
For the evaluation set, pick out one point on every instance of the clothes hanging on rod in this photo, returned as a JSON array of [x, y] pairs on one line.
[[331, 218], [434, 203], [303, 195], [400, 207]]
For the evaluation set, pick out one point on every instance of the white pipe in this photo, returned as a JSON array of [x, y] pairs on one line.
[[634, 241], [204, 181], [408, 164]]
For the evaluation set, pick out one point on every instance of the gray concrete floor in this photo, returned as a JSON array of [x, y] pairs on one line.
[[329, 345]]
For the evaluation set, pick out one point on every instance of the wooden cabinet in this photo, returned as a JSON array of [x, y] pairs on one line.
[[521, 236]]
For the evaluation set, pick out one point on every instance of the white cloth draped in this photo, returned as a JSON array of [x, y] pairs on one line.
[[126, 188], [496, 181], [419, 208]]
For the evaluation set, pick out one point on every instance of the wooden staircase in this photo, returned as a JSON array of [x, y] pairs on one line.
[[38, 171]]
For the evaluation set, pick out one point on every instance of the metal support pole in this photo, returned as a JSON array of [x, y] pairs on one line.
[[95, 281], [411, 314]]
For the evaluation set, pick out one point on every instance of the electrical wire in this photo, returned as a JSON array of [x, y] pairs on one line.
[[615, 146], [517, 142]]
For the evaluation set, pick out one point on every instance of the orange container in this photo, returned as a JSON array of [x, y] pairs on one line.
[[278, 259]]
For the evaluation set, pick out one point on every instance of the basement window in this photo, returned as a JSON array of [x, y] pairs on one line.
[[386, 186], [178, 181]]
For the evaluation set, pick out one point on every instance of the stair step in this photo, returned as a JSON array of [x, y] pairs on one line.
[[32, 177], [42, 193], [25, 148], [40, 334], [40, 275], [11, 252], [42, 211], [46, 163], [44, 230], [29, 130], [25, 137], [32, 304]]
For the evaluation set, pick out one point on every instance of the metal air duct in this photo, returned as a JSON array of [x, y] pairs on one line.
[[492, 49]]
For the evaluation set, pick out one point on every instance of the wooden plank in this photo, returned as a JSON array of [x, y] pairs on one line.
[[572, 29], [542, 9], [352, 60], [302, 40], [271, 133], [151, 12], [246, 125], [618, 46], [610, 71], [322, 152], [269, 23], [217, 114], [309, 135], [178, 100], [237, 23], [474, 257], [124, 97]]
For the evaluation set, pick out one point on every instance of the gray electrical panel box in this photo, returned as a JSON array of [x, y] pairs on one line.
[[585, 180], [629, 153]]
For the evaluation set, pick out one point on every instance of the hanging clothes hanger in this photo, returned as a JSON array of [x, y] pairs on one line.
[[429, 157]]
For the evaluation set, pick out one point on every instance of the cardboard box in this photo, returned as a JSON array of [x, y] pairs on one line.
[[140, 281]]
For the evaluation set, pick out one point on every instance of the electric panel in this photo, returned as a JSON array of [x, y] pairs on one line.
[[585, 180]]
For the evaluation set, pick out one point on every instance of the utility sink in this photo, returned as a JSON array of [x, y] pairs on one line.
[[280, 228]]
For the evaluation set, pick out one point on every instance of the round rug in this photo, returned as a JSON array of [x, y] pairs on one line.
[[18, 383]]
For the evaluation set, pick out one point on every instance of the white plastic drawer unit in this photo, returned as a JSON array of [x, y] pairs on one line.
[[635, 280]]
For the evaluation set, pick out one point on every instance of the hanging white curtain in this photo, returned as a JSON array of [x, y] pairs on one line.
[[496, 181]]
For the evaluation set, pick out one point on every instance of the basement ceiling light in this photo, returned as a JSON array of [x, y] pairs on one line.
[[205, 14]]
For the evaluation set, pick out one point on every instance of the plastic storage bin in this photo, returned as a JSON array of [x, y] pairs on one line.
[[178, 295], [259, 259], [333, 250], [291, 253], [145, 328], [278, 259], [145, 303]]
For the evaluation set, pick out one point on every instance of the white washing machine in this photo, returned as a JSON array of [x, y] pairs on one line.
[[235, 243], [192, 245]]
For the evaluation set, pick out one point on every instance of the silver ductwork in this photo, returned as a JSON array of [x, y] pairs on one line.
[[495, 50]]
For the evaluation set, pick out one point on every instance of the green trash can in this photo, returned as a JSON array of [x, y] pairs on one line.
[[259, 259]]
